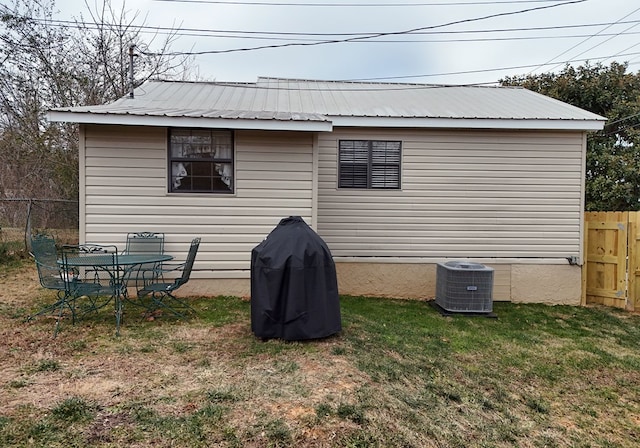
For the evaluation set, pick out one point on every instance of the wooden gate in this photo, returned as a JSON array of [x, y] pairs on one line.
[[612, 259]]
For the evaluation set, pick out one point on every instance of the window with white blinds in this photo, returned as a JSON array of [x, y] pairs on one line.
[[369, 164]]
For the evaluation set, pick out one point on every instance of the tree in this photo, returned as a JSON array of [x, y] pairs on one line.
[[46, 63], [613, 155]]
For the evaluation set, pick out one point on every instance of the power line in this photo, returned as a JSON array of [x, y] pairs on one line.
[[580, 43], [191, 32], [622, 128], [207, 32], [420, 86], [607, 40], [368, 37], [357, 5], [470, 72], [435, 41], [476, 39], [626, 49], [623, 119]]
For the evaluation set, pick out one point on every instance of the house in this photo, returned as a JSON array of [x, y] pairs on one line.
[[394, 177]]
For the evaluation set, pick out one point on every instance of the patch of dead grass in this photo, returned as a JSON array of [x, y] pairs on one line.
[[116, 371]]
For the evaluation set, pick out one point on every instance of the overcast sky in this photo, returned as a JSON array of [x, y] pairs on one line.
[[456, 42]]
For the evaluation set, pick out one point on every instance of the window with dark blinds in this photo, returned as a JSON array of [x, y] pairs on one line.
[[369, 164]]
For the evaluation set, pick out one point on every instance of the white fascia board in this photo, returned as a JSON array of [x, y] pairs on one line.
[[200, 122], [468, 123]]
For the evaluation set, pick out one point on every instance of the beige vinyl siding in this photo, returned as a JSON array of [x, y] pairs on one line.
[[126, 190], [480, 194]]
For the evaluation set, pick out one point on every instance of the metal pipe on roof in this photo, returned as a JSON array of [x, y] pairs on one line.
[[131, 47]]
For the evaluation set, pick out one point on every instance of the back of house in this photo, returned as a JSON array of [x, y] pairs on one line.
[[394, 177]]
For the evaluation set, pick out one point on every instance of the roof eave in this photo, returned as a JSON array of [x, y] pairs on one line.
[[471, 123], [328, 124], [173, 121]]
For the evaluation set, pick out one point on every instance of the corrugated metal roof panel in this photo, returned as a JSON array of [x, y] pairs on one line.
[[303, 100], [424, 100]]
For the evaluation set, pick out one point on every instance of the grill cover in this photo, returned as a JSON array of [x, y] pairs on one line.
[[294, 288]]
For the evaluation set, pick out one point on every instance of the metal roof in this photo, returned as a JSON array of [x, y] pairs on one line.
[[288, 104]]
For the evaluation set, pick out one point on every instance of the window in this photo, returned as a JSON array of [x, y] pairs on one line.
[[369, 164], [201, 161]]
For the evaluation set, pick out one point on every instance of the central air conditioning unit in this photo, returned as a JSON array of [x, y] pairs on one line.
[[462, 286]]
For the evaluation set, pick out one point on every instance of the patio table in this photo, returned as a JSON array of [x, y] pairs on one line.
[[117, 272]]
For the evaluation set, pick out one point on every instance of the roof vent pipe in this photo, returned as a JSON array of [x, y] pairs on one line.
[[131, 47]]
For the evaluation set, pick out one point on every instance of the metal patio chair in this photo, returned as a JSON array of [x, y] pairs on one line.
[[45, 254], [160, 292], [91, 276], [144, 243]]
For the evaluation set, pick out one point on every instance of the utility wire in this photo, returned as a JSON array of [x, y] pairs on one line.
[[436, 41], [418, 86], [622, 51], [580, 43], [399, 86], [206, 32], [356, 5], [191, 32], [622, 128], [421, 31], [469, 72], [607, 40], [623, 119], [368, 37]]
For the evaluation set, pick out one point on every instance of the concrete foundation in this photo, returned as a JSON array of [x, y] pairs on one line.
[[555, 284], [239, 287], [522, 283]]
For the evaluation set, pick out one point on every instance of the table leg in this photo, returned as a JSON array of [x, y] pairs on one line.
[[120, 293]]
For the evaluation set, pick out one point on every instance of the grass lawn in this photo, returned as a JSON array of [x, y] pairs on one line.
[[399, 375]]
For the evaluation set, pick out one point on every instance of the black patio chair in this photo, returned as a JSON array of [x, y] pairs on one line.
[[160, 293]]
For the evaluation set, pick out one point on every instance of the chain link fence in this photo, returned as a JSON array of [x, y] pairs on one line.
[[22, 217]]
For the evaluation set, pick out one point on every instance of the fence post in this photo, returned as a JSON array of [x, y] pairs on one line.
[[585, 246], [27, 230], [633, 262]]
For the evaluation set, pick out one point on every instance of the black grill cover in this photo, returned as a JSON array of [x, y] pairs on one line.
[[294, 288]]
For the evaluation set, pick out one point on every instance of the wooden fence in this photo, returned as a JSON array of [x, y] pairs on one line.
[[611, 269]]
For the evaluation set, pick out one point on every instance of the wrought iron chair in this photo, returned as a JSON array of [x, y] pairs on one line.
[[160, 293], [92, 285], [45, 254], [144, 243]]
